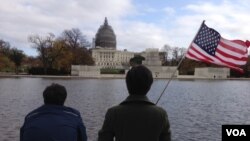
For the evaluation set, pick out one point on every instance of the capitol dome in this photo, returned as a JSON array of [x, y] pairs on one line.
[[105, 36]]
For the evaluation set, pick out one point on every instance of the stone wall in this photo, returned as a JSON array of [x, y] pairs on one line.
[[212, 73], [157, 72], [163, 71], [94, 72], [85, 71]]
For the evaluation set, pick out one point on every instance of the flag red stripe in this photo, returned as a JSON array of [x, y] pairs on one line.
[[226, 62], [198, 52], [207, 61], [240, 42], [236, 44], [231, 56], [210, 60], [232, 48], [191, 56]]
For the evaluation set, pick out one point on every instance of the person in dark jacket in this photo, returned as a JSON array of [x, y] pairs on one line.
[[136, 118], [53, 121]]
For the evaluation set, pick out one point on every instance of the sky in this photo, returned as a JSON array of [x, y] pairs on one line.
[[138, 24]]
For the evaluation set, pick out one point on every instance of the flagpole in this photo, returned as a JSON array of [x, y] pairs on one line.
[[179, 64]]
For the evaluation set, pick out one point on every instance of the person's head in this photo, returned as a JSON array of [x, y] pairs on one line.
[[133, 62], [139, 80], [55, 94]]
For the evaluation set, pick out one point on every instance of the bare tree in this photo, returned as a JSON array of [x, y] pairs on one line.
[[182, 52], [77, 43], [17, 57], [4, 47], [74, 38], [43, 45], [167, 49], [177, 54]]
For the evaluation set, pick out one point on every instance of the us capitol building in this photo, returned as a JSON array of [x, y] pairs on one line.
[[106, 55], [104, 49]]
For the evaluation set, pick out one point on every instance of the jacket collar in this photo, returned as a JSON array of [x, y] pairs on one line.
[[137, 99]]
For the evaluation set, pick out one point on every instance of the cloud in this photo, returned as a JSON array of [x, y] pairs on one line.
[[20, 18], [137, 26], [169, 11], [137, 36], [229, 18]]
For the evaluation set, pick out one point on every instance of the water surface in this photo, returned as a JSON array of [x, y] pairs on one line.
[[196, 108]]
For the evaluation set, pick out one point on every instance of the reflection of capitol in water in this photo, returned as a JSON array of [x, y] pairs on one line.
[[106, 55]]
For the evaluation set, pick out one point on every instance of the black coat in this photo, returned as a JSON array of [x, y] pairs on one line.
[[135, 119], [52, 123]]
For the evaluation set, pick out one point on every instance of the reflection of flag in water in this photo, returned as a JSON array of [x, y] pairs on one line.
[[209, 46]]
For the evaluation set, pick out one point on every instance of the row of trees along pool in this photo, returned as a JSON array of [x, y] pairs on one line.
[[57, 54]]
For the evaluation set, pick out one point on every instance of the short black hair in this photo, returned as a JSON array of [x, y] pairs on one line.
[[133, 60], [137, 59], [139, 80], [55, 94]]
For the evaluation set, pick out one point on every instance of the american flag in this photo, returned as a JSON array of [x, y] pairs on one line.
[[208, 46]]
